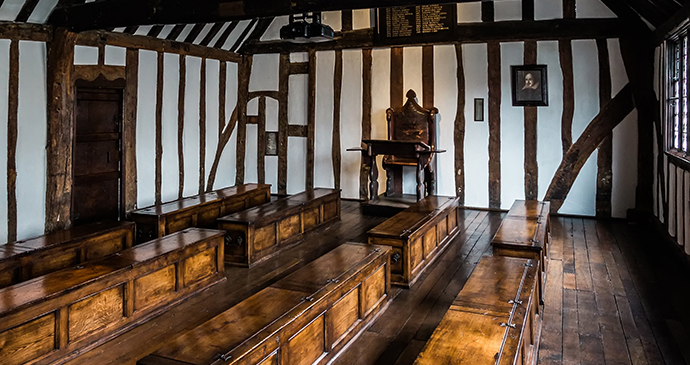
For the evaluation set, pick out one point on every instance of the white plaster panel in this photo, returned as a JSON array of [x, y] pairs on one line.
[[225, 176], [296, 164], [235, 34], [4, 94], [412, 79], [332, 19], [10, 9], [146, 128], [191, 126], [253, 107], [619, 78], [115, 56], [42, 11], [549, 150], [251, 156], [299, 57], [297, 99], [203, 33], [548, 9], [264, 72], [512, 130], [169, 160], [143, 30], [361, 19], [219, 34], [165, 31], [592, 9], [323, 131], [31, 140], [582, 197], [273, 31], [476, 133], [380, 101], [272, 173], [351, 122], [212, 114], [507, 10], [84, 55], [470, 12], [445, 100], [624, 166], [272, 109], [184, 33]]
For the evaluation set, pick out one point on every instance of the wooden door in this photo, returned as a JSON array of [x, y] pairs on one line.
[[97, 187]]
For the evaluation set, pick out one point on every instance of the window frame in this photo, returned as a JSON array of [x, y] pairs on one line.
[[681, 149]]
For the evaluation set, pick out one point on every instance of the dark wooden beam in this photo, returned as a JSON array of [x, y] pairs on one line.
[[196, 30], [242, 36], [459, 130], [180, 125], [299, 68], [337, 97], [605, 150], [565, 52], [27, 9], [222, 142], [396, 78], [366, 120], [311, 120], [677, 21], [527, 9], [211, 33], [12, 130], [129, 129], [346, 20], [175, 32], [122, 13], [224, 37], [243, 76], [508, 31], [261, 142], [94, 38], [29, 32], [258, 31], [295, 130], [61, 101], [608, 118], [487, 11], [202, 127], [530, 114], [159, 128], [283, 92], [494, 73], [155, 31]]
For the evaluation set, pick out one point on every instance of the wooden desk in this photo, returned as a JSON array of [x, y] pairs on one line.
[[197, 211], [305, 318]]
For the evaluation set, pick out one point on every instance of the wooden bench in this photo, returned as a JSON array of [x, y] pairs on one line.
[[305, 318], [53, 317], [27, 259], [417, 234], [257, 233], [525, 232], [494, 320], [197, 211]]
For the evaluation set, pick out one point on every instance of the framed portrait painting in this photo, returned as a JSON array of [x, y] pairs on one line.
[[529, 85]]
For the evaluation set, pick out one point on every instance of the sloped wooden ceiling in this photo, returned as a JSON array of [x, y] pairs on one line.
[[227, 25]]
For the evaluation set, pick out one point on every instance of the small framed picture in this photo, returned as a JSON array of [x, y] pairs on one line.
[[271, 144], [529, 85]]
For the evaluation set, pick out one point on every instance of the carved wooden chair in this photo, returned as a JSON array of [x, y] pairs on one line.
[[411, 123]]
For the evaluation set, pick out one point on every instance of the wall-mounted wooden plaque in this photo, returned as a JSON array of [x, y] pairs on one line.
[[415, 24]]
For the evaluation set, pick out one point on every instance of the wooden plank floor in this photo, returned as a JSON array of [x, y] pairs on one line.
[[607, 298]]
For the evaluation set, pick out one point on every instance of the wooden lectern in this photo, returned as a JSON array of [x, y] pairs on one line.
[[411, 142]]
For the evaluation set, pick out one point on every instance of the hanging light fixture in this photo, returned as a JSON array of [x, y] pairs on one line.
[[298, 30]]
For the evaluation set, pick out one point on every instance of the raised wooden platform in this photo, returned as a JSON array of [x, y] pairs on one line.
[[304, 318]]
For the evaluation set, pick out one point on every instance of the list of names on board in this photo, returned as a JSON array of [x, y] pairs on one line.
[[416, 23]]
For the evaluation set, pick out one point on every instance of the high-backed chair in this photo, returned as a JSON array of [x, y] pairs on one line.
[[411, 123]]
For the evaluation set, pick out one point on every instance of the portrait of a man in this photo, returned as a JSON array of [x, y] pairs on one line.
[[529, 85]]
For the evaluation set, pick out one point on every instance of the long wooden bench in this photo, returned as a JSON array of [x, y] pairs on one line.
[[49, 318], [197, 211], [305, 318], [27, 259], [525, 232], [417, 234], [495, 319], [255, 234]]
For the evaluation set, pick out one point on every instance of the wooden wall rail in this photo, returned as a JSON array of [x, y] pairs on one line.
[[46, 319], [305, 318], [31, 258]]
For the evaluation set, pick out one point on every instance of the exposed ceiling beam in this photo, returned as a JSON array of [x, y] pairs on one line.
[[677, 21], [123, 13]]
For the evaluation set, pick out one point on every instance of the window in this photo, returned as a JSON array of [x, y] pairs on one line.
[[677, 94]]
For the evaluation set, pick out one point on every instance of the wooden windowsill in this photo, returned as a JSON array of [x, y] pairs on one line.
[[678, 158]]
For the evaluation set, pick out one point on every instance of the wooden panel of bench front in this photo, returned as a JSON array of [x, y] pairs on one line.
[[30, 258], [55, 315], [304, 318]]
